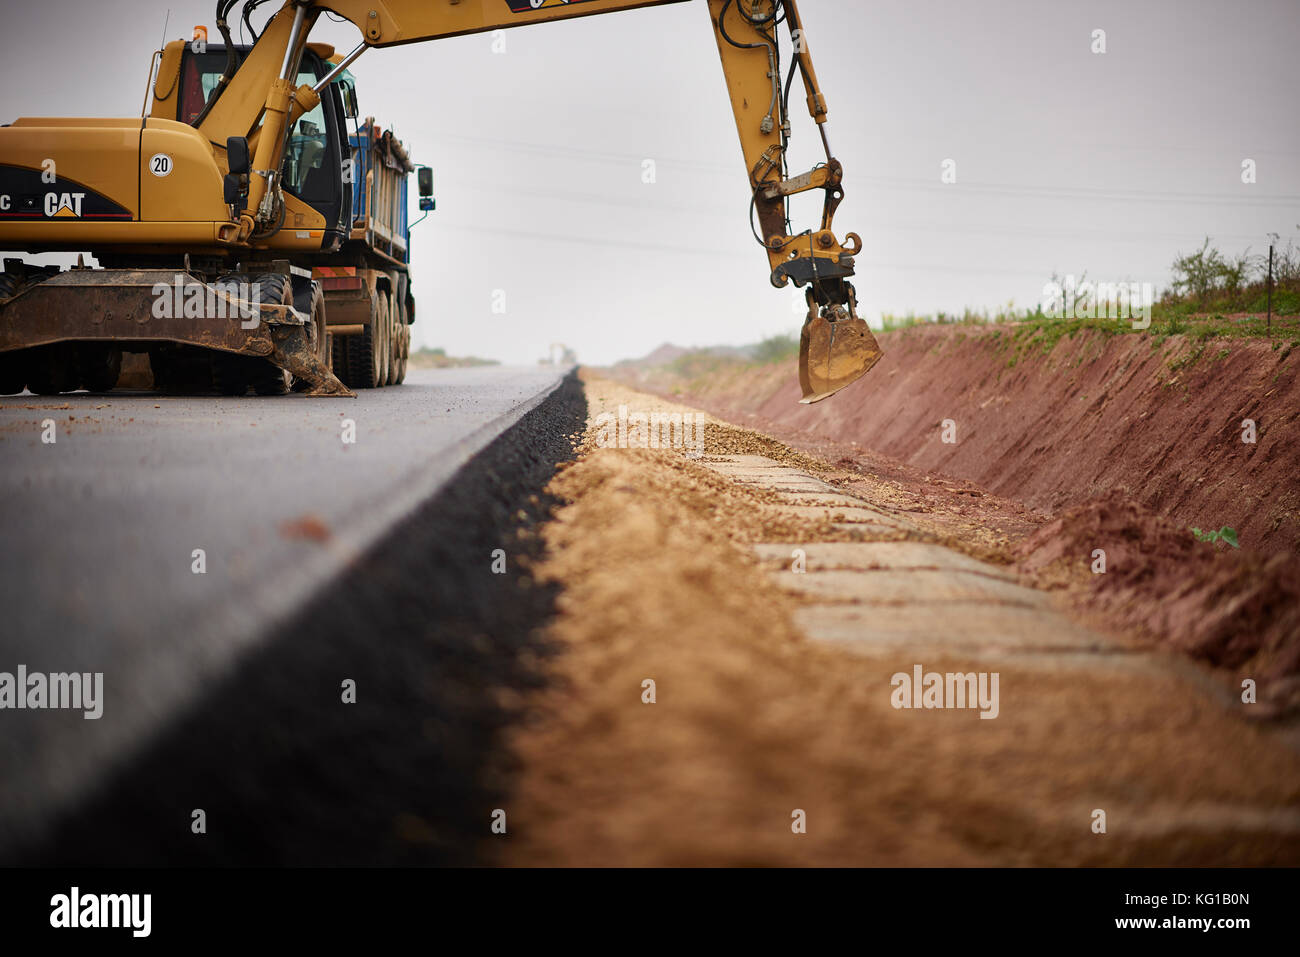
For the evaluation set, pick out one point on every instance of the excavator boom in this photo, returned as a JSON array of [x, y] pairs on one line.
[[836, 346], [217, 182]]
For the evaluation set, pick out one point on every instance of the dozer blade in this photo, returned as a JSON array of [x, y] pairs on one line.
[[834, 351]]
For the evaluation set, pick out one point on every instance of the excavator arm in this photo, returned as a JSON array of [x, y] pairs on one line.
[[260, 100]]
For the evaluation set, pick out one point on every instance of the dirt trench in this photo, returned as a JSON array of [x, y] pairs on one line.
[[1087, 459], [1050, 422], [711, 704]]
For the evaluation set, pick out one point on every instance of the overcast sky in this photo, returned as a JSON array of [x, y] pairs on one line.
[[1066, 160]]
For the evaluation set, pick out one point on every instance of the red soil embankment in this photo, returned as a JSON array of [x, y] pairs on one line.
[[1160, 420], [1237, 610], [1125, 441]]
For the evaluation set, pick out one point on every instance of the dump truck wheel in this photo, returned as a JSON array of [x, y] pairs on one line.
[[100, 367], [408, 312], [53, 370], [365, 356], [379, 322], [394, 342], [402, 333], [405, 336], [385, 323], [339, 348]]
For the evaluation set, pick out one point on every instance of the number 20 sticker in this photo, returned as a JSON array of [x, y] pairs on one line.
[[160, 164]]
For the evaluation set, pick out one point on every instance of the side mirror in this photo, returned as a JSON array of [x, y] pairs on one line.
[[424, 184], [234, 188], [237, 155]]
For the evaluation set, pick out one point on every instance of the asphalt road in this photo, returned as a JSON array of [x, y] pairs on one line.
[[97, 572]]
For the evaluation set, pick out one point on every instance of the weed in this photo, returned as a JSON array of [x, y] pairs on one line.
[[1188, 358], [1224, 534]]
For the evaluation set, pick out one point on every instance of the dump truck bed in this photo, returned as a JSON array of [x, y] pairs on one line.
[[379, 217]]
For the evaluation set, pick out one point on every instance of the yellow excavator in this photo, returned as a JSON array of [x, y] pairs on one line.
[[206, 233]]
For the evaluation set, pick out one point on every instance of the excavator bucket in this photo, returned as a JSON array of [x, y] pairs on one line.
[[836, 348]]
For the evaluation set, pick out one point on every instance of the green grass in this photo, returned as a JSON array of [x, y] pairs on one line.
[[698, 364], [777, 349], [1038, 334], [1213, 296], [1208, 287]]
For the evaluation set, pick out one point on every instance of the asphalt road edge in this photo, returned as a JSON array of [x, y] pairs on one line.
[[137, 812]]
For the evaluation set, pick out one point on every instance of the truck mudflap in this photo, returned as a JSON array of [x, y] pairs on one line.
[[126, 306]]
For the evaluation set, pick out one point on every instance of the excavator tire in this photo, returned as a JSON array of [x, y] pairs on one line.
[[12, 364], [264, 376], [234, 375], [267, 378], [230, 375], [100, 364], [53, 369], [321, 339], [12, 377], [181, 370]]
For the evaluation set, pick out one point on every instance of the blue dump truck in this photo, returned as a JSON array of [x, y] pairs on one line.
[[368, 303]]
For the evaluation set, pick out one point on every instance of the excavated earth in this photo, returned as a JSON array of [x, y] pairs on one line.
[[1159, 419], [728, 634], [1068, 447]]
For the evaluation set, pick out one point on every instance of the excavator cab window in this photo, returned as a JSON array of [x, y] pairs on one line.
[[200, 73], [313, 160], [307, 171]]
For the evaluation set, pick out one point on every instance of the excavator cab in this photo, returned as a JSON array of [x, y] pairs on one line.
[[317, 144]]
